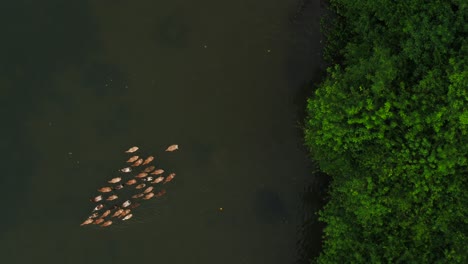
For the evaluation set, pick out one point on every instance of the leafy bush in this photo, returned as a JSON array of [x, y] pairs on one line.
[[390, 124]]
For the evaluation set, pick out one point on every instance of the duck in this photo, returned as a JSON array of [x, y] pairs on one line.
[[107, 223], [115, 180], [138, 195], [98, 207], [94, 215], [87, 222], [124, 213], [134, 205], [148, 196], [126, 203], [148, 160], [127, 217], [118, 212], [112, 197], [170, 177], [161, 193], [105, 189], [126, 170], [172, 148], [106, 213], [141, 175], [97, 198], [158, 180], [140, 186], [132, 159], [98, 221], [149, 189], [158, 172], [118, 187], [131, 182], [132, 149], [149, 169], [148, 179], [137, 163]]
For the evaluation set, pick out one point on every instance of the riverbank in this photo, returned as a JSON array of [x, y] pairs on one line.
[[390, 125]]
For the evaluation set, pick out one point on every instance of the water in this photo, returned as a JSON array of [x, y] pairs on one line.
[[82, 81]]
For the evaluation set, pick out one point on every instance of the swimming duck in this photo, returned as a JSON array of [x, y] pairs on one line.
[[87, 222], [140, 186], [112, 197], [141, 175], [149, 189], [126, 203], [172, 148], [148, 160], [137, 163], [131, 182], [149, 169], [118, 212], [161, 193], [124, 213], [134, 205], [107, 223], [97, 198], [98, 207], [132, 159], [132, 149], [115, 180], [106, 213], [158, 180], [98, 221], [118, 187], [170, 177], [158, 172], [138, 195], [148, 196], [127, 217], [105, 189], [148, 179], [127, 169], [93, 215]]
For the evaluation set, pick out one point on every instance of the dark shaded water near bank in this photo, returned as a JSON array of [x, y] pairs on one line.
[[82, 81]]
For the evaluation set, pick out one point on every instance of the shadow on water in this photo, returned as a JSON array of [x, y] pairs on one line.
[[38, 38], [306, 70], [313, 198], [269, 207]]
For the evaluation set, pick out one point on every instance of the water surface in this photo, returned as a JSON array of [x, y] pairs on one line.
[[82, 81]]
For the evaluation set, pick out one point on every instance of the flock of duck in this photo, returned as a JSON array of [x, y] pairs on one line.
[[140, 178]]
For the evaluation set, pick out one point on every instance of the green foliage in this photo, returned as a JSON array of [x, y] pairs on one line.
[[390, 124]]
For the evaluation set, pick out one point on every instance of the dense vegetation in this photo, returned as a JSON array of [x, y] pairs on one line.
[[390, 125]]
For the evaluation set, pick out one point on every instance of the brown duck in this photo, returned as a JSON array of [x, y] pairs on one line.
[[131, 182], [112, 197], [158, 172], [87, 222], [105, 189], [137, 163], [107, 223], [148, 160], [115, 180], [170, 177], [132, 149], [140, 186], [149, 169], [141, 175], [132, 159], [172, 148]]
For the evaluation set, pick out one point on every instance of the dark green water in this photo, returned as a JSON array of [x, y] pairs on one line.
[[81, 81]]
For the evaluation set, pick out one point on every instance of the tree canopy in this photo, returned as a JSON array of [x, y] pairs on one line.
[[390, 125]]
